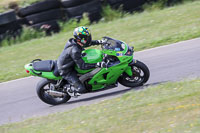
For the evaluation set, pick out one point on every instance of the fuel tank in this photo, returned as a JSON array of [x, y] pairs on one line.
[[90, 56]]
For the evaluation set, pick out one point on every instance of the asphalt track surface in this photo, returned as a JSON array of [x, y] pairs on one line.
[[18, 99]]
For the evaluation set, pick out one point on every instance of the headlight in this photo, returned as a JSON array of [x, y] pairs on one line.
[[130, 51]]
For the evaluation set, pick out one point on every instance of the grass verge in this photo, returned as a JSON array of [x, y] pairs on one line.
[[143, 30], [169, 107], [25, 35]]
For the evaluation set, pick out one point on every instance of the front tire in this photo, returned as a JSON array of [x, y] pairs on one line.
[[42, 87], [140, 75]]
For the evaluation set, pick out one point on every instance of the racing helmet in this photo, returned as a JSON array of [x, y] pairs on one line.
[[83, 36]]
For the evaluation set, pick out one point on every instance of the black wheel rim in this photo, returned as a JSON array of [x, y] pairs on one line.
[[137, 77]]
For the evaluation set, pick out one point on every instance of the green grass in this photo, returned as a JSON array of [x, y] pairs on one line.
[[25, 35], [169, 107], [142, 30]]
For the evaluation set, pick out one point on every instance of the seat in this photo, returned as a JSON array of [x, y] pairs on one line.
[[44, 66], [55, 69]]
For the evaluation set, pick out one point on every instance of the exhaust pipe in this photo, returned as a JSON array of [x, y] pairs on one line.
[[56, 93]]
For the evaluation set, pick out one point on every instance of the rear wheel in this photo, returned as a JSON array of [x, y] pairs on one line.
[[43, 88], [140, 75]]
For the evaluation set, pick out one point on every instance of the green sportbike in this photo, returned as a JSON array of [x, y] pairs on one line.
[[120, 68]]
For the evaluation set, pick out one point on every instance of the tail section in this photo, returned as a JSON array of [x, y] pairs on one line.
[[46, 69]]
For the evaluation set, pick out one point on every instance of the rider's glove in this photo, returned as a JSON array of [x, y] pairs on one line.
[[101, 64], [99, 41]]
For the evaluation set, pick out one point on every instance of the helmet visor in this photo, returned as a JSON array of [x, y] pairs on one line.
[[85, 40]]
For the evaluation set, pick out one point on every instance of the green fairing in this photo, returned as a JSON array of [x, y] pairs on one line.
[[106, 76], [112, 74], [129, 71], [91, 56]]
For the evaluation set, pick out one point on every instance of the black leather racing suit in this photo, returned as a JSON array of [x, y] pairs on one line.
[[70, 56]]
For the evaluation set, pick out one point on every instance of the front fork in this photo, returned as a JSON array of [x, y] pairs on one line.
[[129, 68]]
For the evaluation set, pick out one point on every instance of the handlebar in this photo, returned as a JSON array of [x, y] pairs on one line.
[[105, 44]]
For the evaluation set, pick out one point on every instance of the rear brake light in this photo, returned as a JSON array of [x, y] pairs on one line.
[[27, 71]]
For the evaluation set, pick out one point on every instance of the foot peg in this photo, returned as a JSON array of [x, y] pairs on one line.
[[72, 92]]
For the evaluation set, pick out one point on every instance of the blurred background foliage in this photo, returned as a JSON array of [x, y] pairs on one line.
[[108, 14]]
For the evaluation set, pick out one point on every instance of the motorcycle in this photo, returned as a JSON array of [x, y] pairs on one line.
[[120, 68]]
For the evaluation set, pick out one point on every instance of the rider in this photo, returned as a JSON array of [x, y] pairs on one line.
[[71, 55]]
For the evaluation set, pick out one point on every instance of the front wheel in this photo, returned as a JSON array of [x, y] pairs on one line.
[[43, 87], [140, 75]]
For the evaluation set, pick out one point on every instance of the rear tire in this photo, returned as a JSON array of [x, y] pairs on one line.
[[140, 75], [41, 88]]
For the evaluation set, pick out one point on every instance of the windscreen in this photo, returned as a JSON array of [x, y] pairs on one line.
[[113, 44]]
